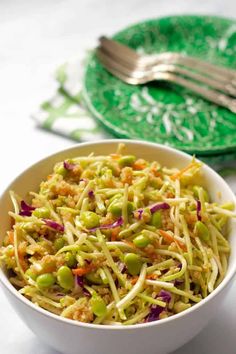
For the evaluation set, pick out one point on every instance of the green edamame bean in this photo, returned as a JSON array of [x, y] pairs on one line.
[[46, 280], [60, 170], [127, 160], [65, 278], [70, 259], [202, 231], [94, 278], [98, 305], [130, 207], [116, 207], [59, 243], [156, 219], [141, 241], [42, 212], [90, 219], [133, 263], [29, 273]]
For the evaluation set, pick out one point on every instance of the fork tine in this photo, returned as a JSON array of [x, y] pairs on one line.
[[129, 57]]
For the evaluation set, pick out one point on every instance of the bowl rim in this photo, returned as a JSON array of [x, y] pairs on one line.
[[231, 271]]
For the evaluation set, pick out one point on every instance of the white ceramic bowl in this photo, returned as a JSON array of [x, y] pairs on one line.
[[158, 337]]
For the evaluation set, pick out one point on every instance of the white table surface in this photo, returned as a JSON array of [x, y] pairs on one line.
[[35, 37]]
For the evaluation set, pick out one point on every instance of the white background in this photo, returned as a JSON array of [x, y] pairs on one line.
[[36, 37]]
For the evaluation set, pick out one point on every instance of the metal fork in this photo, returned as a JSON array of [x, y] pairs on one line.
[[129, 56], [226, 88], [136, 77]]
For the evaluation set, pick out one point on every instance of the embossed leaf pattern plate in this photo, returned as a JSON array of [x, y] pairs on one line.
[[162, 112]]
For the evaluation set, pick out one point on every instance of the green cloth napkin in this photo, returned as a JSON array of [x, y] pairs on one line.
[[65, 114]]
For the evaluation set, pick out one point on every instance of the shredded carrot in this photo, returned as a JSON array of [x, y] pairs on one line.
[[115, 233], [170, 239], [115, 156], [129, 243], [151, 253], [185, 169], [23, 262], [10, 238], [139, 164], [170, 195], [83, 270], [110, 183], [148, 276], [156, 171]]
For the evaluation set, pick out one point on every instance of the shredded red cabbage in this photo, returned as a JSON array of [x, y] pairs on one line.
[[159, 206], [91, 194], [178, 282], [165, 295], [199, 208], [80, 281], [140, 213], [154, 314], [26, 209], [117, 223], [68, 166], [122, 267], [54, 225]]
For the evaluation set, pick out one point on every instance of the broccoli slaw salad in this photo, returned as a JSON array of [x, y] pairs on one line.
[[117, 240]]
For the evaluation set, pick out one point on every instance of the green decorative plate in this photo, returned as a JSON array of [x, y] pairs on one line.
[[162, 112]]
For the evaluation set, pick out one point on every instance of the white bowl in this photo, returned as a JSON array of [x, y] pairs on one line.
[[158, 337]]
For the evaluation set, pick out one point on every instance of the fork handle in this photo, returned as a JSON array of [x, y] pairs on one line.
[[223, 74], [210, 95]]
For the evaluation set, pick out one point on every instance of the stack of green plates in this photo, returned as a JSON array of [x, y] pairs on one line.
[[162, 112]]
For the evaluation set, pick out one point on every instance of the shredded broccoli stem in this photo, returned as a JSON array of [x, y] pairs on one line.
[[185, 294], [213, 276], [109, 258], [187, 239], [124, 206], [222, 211], [84, 194], [19, 267], [114, 292], [123, 303], [176, 216], [180, 258], [151, 300], [161, 284], [162, 265], [202, 250], [112, 285], [14, 201], [138, 317]]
